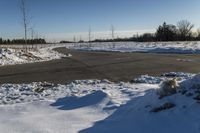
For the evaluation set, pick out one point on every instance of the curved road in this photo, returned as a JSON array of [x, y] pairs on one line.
[[99, 65]]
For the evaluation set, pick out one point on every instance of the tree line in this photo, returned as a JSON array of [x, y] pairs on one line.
[[22, 41], [26, 26], [182, 31]]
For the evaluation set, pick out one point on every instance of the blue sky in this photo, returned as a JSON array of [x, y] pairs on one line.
[[62, 19]]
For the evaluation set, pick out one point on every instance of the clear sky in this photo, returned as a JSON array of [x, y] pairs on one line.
[[62, 19]]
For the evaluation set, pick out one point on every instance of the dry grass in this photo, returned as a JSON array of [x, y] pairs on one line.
[[168, 87]]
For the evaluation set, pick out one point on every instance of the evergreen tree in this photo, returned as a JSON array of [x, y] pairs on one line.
[[166, 32]]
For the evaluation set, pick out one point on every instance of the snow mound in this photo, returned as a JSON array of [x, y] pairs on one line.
[[12, 56], [137, 116], [175, 113]]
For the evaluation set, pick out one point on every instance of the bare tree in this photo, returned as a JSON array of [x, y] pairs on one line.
[[74, 41], [25, 18], [198, 32], [32, 36], [89, 36], [32, 33], [185, 29], [80, 38], [113, 34]]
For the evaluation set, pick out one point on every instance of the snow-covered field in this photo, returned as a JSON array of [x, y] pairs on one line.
[[152, 47], [101, 106], [10, 56], [16, 56]]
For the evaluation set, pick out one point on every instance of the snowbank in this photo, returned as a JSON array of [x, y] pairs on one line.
[[11, 56], [152, 47], [175, 113]]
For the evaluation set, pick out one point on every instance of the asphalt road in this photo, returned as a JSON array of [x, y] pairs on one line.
[[99, 65]]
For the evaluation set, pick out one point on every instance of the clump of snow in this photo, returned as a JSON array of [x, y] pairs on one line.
[[178, 75], [15, 56], [148, 79], [185, 60], [157, 80]]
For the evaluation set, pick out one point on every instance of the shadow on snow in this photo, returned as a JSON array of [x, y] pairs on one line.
[[129, 118], [73, 102]]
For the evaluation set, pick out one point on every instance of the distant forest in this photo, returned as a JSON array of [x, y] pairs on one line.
[[183, 31], [22, 41]]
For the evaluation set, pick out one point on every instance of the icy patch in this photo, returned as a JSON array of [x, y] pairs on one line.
[[185, 60]]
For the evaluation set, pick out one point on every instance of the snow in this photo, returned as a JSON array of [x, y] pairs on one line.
[[10, 56], [100, 106], [16, 56], [68, 108], [157, 80], [23, 93], [151, 47], [148, 79]]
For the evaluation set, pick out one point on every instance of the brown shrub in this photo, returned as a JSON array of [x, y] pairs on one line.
[[168, 87]]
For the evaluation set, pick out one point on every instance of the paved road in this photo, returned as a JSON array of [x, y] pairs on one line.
[[99, 65]]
